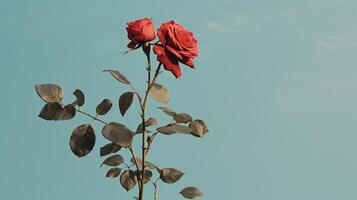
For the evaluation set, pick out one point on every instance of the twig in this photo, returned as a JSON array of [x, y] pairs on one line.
[[131, 149], [137, 95], [151, 141], [93, 117], [155, 190]]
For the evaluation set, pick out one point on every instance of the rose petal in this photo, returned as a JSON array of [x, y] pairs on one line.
[[185, 38], [191, 53], [169, 61], [171, 38], [188, 62], [160, 35], [149, 33], [134, 35], [173, 51], [137, 24]]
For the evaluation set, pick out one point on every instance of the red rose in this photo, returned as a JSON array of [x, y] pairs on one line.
[[140, 31], [177, 45]]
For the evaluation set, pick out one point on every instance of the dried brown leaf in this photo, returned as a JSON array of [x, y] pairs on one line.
[[104, 107], [82, 140], [50, 93], [50, 111], [113, 172], [174, 128], [203, 124], [170, 175], [197, 129], [113, 160], [118, 133], [117, 75], [182, 118], [125, 101], [150, 122], [160, 93], [191, 192], [109, 148], [68, 112], [80, 99], [167, 111], [128, 179], [55, 111]]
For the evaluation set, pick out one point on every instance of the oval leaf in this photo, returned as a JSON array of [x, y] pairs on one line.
[[55, 111], [128, 179], [118, 133], [113, 172], [109, 148], [203, 124], [79, 97], [117, 75], [182, 118], [125, 101], [50, 111], [68, 112], [50, 93], [170, 175], [82, 140], [167, 111], [150, 122], [104, 107], [191, 192], [174, 128], [197, 129], [160, 93], [113, 160]]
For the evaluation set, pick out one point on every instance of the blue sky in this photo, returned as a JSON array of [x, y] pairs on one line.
[[275, 81]]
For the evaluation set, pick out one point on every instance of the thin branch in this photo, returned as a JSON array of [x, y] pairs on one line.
[[137, 95], [155, 190], [151, 141], [151, 83], [131, 149], [91, 116], [156, 75]]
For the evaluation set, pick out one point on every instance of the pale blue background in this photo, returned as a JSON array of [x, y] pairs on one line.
[[276, 81]]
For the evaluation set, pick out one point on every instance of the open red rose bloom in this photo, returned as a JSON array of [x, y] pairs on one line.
[[177, 45]]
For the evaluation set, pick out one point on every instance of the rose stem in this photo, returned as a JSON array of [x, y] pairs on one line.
[[143, 108]]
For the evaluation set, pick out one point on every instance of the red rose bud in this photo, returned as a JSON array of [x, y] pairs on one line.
[[177, 45], [140, 31]]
